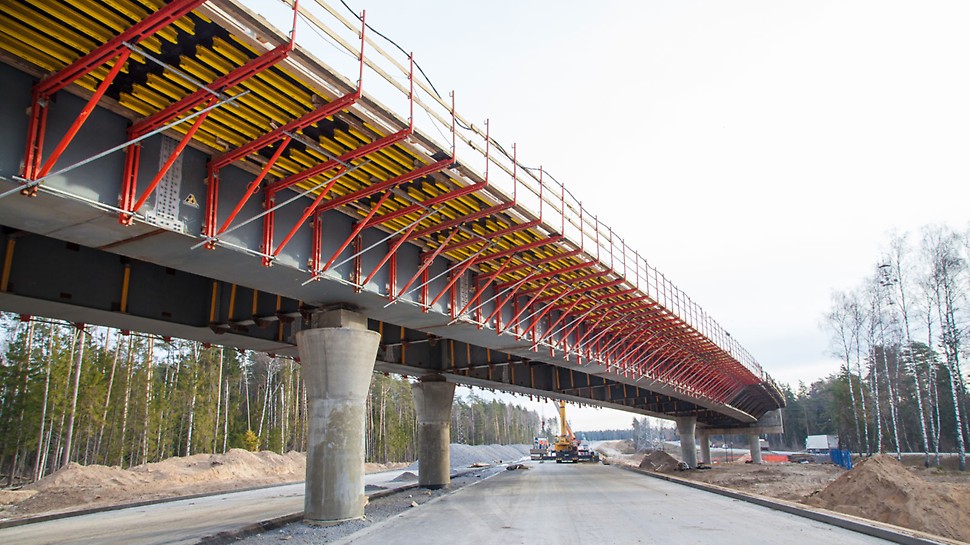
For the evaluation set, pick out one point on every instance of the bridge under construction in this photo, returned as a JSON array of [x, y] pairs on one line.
[[185, 168]]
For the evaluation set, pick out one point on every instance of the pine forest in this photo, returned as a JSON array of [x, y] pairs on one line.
[[96, 395]]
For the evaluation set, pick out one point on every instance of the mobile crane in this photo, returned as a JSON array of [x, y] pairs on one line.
[[567, 447]]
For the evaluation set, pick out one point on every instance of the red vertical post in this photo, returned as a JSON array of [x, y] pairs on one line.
[[392, 277], [316, 249], [358, 257], [211, 207], [269, 222]]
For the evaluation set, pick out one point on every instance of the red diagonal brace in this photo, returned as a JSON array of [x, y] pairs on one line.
[[310, 118], [571, 268], [545, 260], [544, 311], [83, 116], [496, 234], [526, 306], [463, 219], [307, 212], [426, 263], [562, 316], [481, 288], [190, 101], [381, 186], [168, 165], [357, 229], [253, 186], [351, 155], [586, 289], [506, 299], [455, 276], [390, 216], [575, 326], [624, 342], [520, 248], [394, 248]]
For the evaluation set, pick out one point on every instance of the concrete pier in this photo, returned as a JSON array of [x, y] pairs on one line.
[[432, 401], [754, 445], [686, 426], [705, 440], [337, 355]]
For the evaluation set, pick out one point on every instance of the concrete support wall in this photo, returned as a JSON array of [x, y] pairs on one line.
[[754, 444], [705, 440], [686, 426], [338, 358], [432, 401]]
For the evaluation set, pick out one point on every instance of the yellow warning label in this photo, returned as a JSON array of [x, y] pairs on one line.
[[191, 201]]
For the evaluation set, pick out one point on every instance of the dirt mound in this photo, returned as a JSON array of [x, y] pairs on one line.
[[791, 482], [882, 489], [235, 465], [75, 475], [93, 486], [406, 476], [659, 462]]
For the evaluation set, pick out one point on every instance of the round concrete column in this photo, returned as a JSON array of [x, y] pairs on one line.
[[432, 401], [338, 362], [686, 426], [705, 448], [754, 445]]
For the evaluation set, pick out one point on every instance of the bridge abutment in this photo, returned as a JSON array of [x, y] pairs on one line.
[[337, 356], [433, 398], [686, 427]]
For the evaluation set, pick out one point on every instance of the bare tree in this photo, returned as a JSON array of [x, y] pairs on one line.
[[899, 276], [844, 329], [946, 265], [76, 385]]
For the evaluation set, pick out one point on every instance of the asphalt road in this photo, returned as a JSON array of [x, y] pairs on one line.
[[549, 503], [596, 504]]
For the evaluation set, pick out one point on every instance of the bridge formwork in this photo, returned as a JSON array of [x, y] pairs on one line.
[[186, 168]]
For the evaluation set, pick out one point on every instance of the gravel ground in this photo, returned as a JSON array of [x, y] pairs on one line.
[[377, 510]]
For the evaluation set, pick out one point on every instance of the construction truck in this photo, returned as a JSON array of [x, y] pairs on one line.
[[585, 454], [566, 446], [540, 449]]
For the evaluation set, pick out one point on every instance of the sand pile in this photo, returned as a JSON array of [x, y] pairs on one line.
[[235, 465], [76, 486], [659, 462], [882, 489]]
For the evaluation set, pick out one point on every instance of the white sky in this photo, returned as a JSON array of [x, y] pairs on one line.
[[756, 152]]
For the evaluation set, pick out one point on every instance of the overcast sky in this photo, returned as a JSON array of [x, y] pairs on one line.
[[756, 152]]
